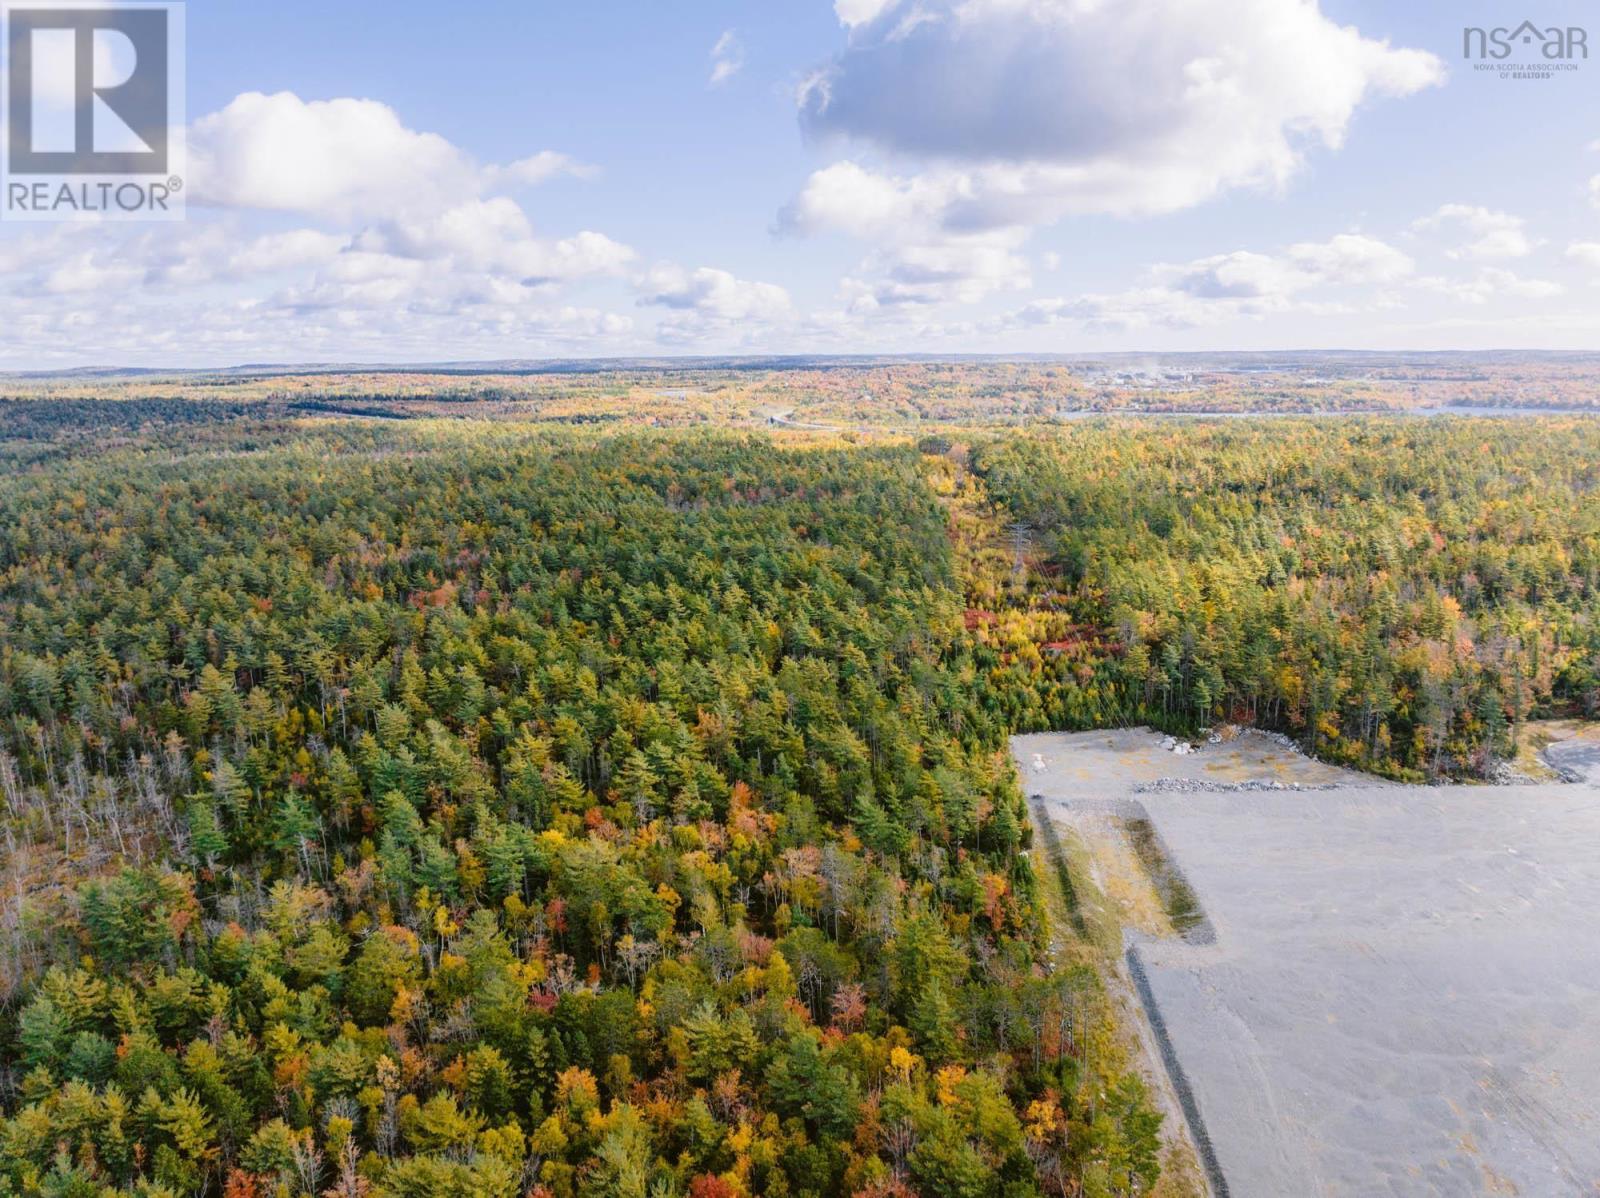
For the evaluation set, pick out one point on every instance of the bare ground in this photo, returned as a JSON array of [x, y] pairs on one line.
[[1401, 997]]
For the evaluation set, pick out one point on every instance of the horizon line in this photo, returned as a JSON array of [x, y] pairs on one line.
[[747, 360]]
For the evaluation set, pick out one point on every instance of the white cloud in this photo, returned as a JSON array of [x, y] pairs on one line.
[[922, 260], [1352, 273], [334, 158], [182, 329], [283, 251], [1585, 253], [341, 159], [411, 251], [495, 236], [850, 198], [1351, 258], [1025, 110], [1244, 284], [727, 58], [712, 294], [537, 168], [1491, 234], [993, 117], [711, 304], [87, 272], [98, 257], [955, 269], [918, 260], [476, 251], [1127, 311], [1239, 275], [1492, 282], [860, 12]]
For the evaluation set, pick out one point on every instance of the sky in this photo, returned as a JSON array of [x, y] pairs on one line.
[[406, 182]]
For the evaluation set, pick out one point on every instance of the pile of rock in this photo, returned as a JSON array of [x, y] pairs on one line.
[[1282, 741], [1506, 774], [1199, 785]]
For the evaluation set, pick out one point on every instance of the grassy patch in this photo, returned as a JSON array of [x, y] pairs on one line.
[[1087, 928]]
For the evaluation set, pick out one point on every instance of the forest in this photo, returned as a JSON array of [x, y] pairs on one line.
[[1398, 596], [489, 806], [419, 809]]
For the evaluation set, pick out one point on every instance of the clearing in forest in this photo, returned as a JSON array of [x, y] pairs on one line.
[[1382, 989]]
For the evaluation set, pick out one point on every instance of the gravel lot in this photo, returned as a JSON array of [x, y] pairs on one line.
[[1576, 757], [1403, 996]]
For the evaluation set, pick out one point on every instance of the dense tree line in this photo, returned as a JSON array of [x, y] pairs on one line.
[[1397, 594], [471, 811]]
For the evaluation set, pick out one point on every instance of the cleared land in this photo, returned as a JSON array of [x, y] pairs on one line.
[[1401, 992]]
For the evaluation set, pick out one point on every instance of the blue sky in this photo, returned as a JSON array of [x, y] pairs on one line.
[[407, 182]]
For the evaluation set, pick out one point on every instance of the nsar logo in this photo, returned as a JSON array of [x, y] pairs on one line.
[[1554, 43]]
